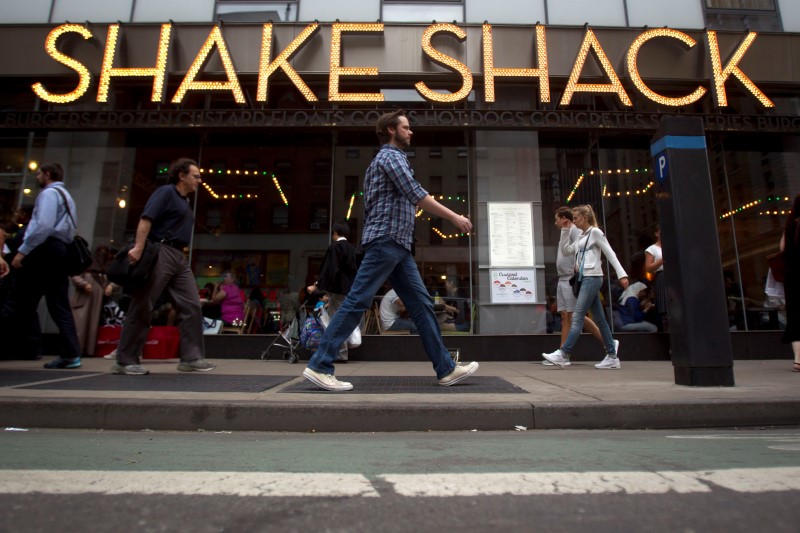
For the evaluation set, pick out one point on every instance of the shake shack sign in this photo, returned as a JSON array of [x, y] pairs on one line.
[[444, 63]]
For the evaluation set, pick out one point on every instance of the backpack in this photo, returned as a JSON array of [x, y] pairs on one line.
[[311, 333]]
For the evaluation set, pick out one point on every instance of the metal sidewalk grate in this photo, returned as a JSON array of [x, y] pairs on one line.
[[414, 385], [194, 382]]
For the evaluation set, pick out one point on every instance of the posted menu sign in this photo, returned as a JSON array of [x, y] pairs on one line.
[[510, 234]]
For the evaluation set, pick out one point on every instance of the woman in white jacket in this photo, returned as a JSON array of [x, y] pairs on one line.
[[588, 251]]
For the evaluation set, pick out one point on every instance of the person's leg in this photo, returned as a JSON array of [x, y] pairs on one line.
[[590, 327], [640, 327], [796, 349], [334, 304], [566, 325], [57, 298], [19, 319], [137, 318], [182, 290], [404, 324], [589, 289], [379, 261], [565, 305], [596, 308], [405, 279]]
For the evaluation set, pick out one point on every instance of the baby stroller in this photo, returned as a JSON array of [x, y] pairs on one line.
[[302, 333]]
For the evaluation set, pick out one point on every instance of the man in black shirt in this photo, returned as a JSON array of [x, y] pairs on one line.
[[337, 273], [167, 222]]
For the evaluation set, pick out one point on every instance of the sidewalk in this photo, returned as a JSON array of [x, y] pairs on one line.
[[254, 395]]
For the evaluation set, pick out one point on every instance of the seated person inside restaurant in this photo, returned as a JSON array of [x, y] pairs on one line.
[[447, 316], [634, 305], [393, 314], [229, 297]]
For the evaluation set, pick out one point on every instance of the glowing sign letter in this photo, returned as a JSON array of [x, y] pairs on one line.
[[84, 77], [337, 70], [266, 69], [490, 72], [157, 72], [633, 70], [720, 74], [188, 83], [447, 61], [590, 42]]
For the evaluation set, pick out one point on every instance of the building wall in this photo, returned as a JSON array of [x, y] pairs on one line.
[[686, 14]]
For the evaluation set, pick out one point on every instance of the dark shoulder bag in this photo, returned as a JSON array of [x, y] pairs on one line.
[[79, 257], [121, 272]]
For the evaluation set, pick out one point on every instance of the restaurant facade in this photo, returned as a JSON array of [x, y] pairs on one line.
[[510, 122]]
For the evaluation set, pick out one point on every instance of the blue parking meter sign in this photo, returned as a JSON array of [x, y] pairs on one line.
[[662, 166]]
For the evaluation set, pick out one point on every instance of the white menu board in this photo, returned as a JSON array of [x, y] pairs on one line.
[[510, 234]]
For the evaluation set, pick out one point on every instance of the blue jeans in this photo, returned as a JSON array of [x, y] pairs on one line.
[[589, 300], [384, 259]]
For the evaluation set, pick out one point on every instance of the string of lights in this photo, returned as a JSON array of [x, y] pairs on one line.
[[757, 201], [280, 191], [451, 236], [605, 172]]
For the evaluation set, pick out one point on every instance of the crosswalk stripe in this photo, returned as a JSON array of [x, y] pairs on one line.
[[553, 483], [286, 484], [274, 484]]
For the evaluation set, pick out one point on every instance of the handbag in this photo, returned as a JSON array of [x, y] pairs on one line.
[[79, 257], [577, 278], [121, 272], [777, 263]]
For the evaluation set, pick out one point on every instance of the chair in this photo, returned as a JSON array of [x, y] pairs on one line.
[[370, 325], [376, 310], [239, 329]]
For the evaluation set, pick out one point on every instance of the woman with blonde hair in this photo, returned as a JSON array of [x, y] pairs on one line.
[[588, 250]]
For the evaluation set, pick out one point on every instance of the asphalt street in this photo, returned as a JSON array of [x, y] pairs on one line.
[[672, 480]]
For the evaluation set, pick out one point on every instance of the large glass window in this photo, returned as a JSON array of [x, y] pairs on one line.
[[735, 15]]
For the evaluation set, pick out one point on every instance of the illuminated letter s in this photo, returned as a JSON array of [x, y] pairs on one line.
[[83, 73]]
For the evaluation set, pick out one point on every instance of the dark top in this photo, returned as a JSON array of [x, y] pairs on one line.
[[338, 268], [171, 215], [631, 312], [791, 282]]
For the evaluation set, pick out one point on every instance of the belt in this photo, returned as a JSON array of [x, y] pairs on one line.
[[172, 244]]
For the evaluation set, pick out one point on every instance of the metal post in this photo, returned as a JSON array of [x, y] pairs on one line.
[[698, 316]]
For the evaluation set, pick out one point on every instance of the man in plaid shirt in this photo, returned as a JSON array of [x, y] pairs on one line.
[[392, 196]]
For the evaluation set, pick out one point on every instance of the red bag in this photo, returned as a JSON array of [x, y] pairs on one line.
[[163, 342], [107, 340]]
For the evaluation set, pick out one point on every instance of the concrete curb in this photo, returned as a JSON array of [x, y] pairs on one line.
[[135, 415]]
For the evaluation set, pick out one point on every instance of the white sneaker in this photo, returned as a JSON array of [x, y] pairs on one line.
[[616, 347], [459, 374], [610, 363], [548, 363], [326, 381], [557, 358]]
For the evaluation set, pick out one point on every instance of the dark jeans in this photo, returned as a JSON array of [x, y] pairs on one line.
[[43, 274], [384, 259]]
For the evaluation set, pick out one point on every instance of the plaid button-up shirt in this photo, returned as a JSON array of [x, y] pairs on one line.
[[390, 197]]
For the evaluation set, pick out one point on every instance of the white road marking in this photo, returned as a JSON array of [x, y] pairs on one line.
[[792, 439], [185, 483], [551, 483], [281, 484]]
